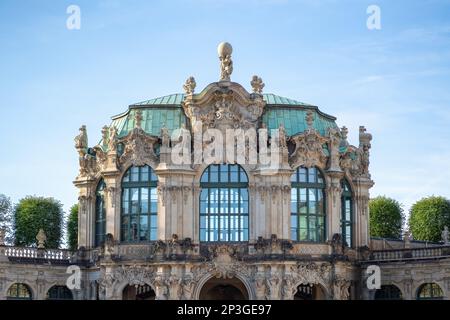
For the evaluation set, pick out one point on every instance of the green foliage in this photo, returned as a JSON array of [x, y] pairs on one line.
[[386, 218], [6, 219], [34, 213], [72, 228], [428, 217]]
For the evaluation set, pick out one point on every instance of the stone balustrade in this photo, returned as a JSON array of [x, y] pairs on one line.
[[411, 254], [27, 253]]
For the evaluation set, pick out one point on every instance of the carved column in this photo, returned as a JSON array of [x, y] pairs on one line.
[[334, 192], [112, 206], [362, 186], [86, 202]]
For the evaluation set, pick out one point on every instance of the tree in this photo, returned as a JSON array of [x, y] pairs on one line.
[[428, 217], [72, 228], [34, 213], [386, 218], [6, 219]]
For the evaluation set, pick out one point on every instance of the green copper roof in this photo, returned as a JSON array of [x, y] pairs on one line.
[[177, 98], [294, 120], [167, 111], [173, 99], [153, 119]]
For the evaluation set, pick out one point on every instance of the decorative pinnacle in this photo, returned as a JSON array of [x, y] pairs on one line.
[[189, 85], [257, 84], [138, 119], [226, 64], [105, 131], [344, 133], [309, 118]]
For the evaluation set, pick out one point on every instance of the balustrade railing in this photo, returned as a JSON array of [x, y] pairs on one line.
[[410, 254], [35, 253]]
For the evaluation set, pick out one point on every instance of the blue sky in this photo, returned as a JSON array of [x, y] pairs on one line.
[[395, 81]]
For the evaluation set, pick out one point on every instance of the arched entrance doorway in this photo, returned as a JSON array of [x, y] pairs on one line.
[[309, 292], [138, 293], [223, 289]]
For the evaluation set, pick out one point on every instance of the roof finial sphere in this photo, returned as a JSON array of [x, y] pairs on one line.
[[224, 49]]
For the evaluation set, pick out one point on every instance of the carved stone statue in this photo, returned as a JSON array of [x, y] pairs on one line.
[[41, 238], [445, 236], [81, 141], [112, 145], [189, 86], [105, 137], [363, 152], [407, 238], [165, 137], [257, 84], [309, 119], [283, 136], [138, 119], [226, 64], [334, 141]]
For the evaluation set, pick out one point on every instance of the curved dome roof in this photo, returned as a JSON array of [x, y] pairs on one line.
[[167, 111]]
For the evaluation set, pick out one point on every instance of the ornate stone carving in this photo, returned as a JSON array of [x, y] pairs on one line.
[[272, 245], [341, 289], [161, 289], [105, 135], [361, 169], [334, 143], [189, 86], [165, 137], [308, 150], [81, 141], [337, 244], [139, 148], [138, 119], [311, 273], [273, 284], [112, 144], [133, 275], [41, 239], [257, 85], [174, 285], [445, 236], [111, 192], [226, 64]]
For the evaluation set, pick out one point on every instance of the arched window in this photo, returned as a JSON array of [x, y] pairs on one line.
[[388, 292], [347, 213], [307, 205], [139, 205], [224, 204], [430, 291], [18, 291], [100, 214], [59, 293]]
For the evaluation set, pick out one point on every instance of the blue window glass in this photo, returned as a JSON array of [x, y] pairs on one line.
[[139, 205], [307, 205], [224, 205]]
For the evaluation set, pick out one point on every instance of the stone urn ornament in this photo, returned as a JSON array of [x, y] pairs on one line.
[[41, 239]]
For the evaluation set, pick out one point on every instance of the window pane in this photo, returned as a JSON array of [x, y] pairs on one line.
[[302, 173], [143, 228], [145, 173], [144, 200], [134, 174], [223, 174], [134, 228], [312, 175]]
